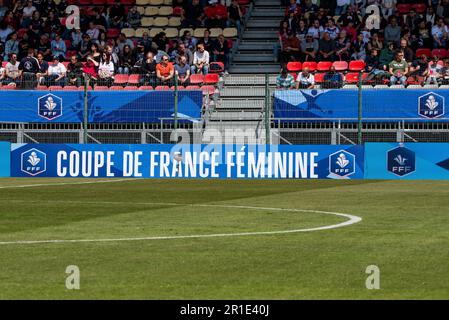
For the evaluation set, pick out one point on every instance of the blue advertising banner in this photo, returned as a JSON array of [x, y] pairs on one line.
[[104, 106], [188, 161], [5, 152], [413, 104], [407, 161]]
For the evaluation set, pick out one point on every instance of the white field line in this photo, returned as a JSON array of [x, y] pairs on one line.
[[67, 183], [351, 220]]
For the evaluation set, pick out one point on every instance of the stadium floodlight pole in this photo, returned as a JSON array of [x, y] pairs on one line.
[[86, 115], [359, 116], [176, 107], [267, 109]]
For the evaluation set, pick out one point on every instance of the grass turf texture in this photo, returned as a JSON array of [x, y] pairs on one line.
[[405, 231]]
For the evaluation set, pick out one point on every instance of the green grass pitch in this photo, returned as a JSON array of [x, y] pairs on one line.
[[404, 231]]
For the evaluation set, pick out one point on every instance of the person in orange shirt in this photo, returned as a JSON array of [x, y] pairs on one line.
[[165, 71]]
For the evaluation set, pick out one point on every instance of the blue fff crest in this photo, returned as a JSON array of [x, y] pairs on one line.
[[33, 162], [49, 106], [341, 163], [431, 105], [401, 161]]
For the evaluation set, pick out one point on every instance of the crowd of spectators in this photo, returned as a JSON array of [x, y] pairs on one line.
[[390, 40], [35, 40]]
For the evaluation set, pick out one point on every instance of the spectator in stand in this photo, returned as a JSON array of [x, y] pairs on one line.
[[443, 8], [433, 74], [75, 72], [106, 70], [398, 69], [28, 69], [291, 21], [412, 20], [116, 15], [124, 41], [221, 51], [332, 79], [126, 60], [182, 70], [43, 68], [90, 71], [133, 19], [423, 35], [293, 8], [374, 68], [11, 75], [392, 32], [99, 20], [375, 43], [192, 15], [56, 73], [235, 16], [76, 37], [358, 48], [165, 71], [58, 47], [285, 80], [388, 8], [85, 47], [11, 46], [145, 42], [302, 30], [350, 16], [307, 6], [408, 53], [309, 48], [207, 41], [430, 17], [182, 51], [161, 42], [440, 34], [216, 15], [326, 48], [44, 46], [200, 60], [290, 48], [342, 5], [316, 30], [27, 14], [445, 73], [332, 29], [386, 55], [52, 25], [189, 41], [148, 70], [305, 80], [93, 31], [350, 31], [342, 46], [420, 66]]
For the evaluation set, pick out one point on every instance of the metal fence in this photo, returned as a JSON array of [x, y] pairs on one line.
[[238, 110]]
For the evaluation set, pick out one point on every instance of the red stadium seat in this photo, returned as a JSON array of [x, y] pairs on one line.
[[40, 87], [193, 88], [423, 51], [84, 2], [357, 65], [128, 2], [352, 77], [420, 7], [294, 75], [162, 88], [130, 88], [99, 2], [179, 88], [218, 67], [177, 11], [134, 79], [55, 88], [121, 79], [70, 53], [101, 88], [70, 88], [403, 8], [323, 66], [309, 64], [116, 88], [196, 79], [146, 88], [340, 65], [319, 77], [210, 90], [294, 66], [211, 78], [440, 53]]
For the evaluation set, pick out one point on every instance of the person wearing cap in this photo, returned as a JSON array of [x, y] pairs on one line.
[[56, 73]]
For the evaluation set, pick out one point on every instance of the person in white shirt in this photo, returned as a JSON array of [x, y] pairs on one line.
[[316, 30], [332, 29], [11, 75], [56, 73], [200, 60], [93, 31], [305, 80], [106, 70], [440, 33], [27, 14]]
